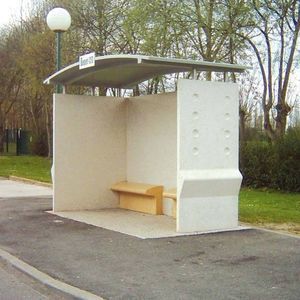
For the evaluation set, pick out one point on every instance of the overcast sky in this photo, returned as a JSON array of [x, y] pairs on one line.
[[10, 10]]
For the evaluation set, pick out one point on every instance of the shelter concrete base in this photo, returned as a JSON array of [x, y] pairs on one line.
[[132, 223]]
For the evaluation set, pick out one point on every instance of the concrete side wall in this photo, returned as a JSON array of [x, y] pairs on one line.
[[208, 176], [89, 151], [151, 141]]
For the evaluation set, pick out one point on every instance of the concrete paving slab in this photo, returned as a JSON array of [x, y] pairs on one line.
[[13, 189], [249, 264], [144, 226]]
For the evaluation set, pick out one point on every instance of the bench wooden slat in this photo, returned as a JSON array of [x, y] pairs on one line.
[[171, 193], [136, 188]]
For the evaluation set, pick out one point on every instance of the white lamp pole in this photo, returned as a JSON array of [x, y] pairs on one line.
[[59, 21]]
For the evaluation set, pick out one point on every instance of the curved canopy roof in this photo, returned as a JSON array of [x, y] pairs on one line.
[[125, 71]]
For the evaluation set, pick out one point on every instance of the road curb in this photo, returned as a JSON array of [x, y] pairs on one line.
[[31, 181], [46, 279]]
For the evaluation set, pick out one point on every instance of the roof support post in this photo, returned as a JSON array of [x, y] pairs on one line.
[[226, 77], [194, 74]]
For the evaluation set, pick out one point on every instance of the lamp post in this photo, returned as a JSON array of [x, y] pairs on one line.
[[59, 21]]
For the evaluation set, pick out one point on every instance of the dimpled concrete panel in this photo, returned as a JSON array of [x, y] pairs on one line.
[[208, 179]]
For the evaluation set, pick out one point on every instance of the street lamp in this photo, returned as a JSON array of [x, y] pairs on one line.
[[59, 21]]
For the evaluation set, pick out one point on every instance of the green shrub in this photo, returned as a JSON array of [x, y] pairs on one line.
[[256, 163], [288, 161], [275, 165]]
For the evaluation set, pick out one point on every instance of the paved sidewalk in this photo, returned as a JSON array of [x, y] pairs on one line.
[[250, 264], [12, 288], [10, 188], [15, 285]]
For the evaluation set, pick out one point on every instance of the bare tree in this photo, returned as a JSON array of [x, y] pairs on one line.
[[275, 32], [10, 78], [210, 28]]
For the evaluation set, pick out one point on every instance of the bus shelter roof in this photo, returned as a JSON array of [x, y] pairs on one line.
[[126, 71]]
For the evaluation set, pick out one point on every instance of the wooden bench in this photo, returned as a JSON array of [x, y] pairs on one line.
[[172, 194], [140, 197]]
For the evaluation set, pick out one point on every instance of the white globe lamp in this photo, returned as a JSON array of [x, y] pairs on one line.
[[59, 19]]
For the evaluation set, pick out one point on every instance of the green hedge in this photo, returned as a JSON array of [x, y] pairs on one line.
[[276, 165]]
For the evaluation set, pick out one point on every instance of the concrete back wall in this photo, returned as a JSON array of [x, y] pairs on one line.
[[89, 152], [151, 139]]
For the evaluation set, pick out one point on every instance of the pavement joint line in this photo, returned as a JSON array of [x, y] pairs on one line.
[[277, 232], [46, 279], [251, 226]]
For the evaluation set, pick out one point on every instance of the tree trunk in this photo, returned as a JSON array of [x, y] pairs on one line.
[[136, 91], [281, 119], [242, 125], [2, 138]]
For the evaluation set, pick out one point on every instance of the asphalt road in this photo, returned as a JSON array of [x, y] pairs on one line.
[[249, 264]]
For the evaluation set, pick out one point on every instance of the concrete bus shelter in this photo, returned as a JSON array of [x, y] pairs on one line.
[[180, 149]]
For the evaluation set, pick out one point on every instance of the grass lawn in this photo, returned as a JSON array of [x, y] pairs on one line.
[[32, 167], [259, 206]]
